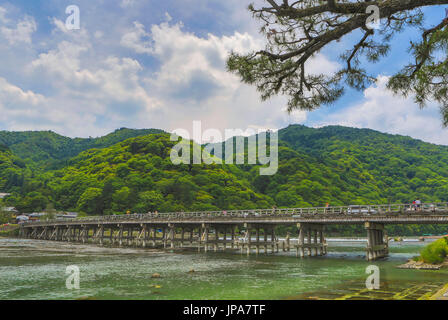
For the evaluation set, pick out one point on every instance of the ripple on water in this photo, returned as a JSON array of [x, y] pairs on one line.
[[36, 270]]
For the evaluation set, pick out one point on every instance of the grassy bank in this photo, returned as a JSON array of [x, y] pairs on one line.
[[436, 252]]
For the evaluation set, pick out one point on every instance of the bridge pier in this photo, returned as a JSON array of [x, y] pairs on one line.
[[247, 244], [376, 246], [143, 235], [205, 237], [311, 240], [120, 235]]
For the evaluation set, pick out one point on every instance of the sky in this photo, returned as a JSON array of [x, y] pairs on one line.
[[161, 64]]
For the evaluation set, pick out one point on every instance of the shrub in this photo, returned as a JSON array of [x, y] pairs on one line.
[[436, 252]]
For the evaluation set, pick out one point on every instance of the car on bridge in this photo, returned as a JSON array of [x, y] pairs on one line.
[[356, 209]]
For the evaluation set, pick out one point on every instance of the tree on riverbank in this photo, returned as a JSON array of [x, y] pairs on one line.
[[435, 252]]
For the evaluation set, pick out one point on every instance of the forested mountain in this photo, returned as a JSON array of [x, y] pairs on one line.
[[341, 166], [12, 169], [383, 167], [48, 148], [138, 175], [333, 164]]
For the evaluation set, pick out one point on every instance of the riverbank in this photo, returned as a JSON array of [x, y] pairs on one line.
[[420, 265], [9, 231]]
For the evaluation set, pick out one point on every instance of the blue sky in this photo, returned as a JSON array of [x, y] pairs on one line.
[[161, 64]]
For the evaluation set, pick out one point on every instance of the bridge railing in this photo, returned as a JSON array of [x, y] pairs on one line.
[[388, 209]]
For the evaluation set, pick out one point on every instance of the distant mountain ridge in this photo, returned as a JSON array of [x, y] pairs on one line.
[[49, 146]]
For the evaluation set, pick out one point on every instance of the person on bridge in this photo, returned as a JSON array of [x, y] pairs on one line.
[[418, 204]]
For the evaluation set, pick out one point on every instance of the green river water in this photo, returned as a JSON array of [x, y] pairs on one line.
[[32, 269]]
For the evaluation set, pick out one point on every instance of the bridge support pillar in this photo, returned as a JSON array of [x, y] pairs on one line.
[[249, 240], [164, 237], [111, 236], [172, 235], [205, 236], [216, 239], [154, 236], [376, 246], [233, 236], [142, 236], [120, 235], [22, 232], [182, 237], [225, 238], [311, 239], [301, 242], [199, 237], [286, 244]]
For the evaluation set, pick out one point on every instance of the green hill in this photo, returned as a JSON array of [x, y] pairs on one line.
[[12, 169], [48, 148], [342, 166], [137, 175], [382, 167]]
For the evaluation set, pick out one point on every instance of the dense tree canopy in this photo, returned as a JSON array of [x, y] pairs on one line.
[[50, 149], [296, 31]]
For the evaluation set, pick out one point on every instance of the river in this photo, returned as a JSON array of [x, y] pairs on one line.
[[31, 269]]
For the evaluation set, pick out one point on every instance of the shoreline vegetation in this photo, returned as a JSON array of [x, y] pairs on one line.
[[9, 231], [433, 257]]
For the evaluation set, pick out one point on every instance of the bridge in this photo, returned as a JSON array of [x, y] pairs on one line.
[[222, 230]]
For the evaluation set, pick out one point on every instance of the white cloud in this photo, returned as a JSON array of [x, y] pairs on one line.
[[383, 111], [64, 61], [14, 96], [192, 82], [21, 32], [135, 39], [25, 110], [3, 15], [109, 92], [127, 3]]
